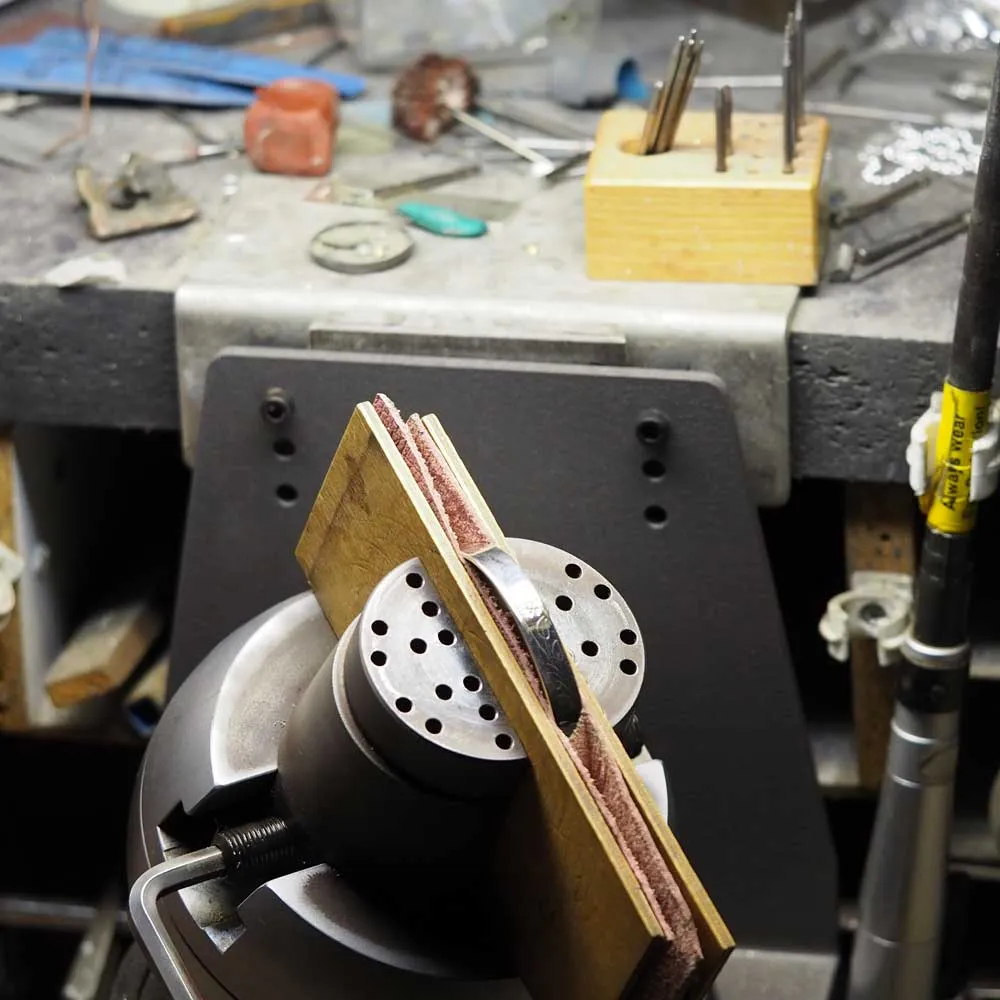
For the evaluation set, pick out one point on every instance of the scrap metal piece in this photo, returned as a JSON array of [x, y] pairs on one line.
[[874, 253], [336, 192], [140, 198], [852, 212], [918, 247], [424, 182], [361, 247], [843, 265], [90, 269], [566, 168], [854, 263]]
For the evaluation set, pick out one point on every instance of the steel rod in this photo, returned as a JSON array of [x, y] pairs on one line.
[[693, 49], [721, 137], [502, 139], [727, 100], [672, 83], [788, 102], [651, 126]]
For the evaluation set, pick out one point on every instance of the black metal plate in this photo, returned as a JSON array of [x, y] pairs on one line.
[[556, 453]]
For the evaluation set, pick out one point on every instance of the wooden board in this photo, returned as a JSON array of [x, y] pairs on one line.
[[13, 710], [716, 941], [585, 925], [878, 535], [672, 217], [103, 652]]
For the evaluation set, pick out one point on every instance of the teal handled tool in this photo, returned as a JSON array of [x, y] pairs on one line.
[[441, 221]]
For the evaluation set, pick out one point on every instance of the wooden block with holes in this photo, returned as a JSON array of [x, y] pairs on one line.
[[672, 217]]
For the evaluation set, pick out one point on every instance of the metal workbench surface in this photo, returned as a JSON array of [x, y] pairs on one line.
[[863, 357]]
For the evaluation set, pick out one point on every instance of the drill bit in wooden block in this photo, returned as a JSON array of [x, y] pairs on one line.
[[600, 901], [674, 217]]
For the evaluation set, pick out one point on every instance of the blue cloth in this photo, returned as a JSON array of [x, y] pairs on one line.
[[206, 62], [37, 70]]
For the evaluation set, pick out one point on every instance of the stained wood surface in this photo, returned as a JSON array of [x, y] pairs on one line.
[[103, 652], [878, 535], [13, 710]]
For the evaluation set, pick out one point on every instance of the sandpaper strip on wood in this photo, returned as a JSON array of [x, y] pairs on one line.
[[583, 918], [669, 975], [716, 941]]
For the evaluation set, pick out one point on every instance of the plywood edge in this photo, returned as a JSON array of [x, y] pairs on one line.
[[103, 652], [13, 707]]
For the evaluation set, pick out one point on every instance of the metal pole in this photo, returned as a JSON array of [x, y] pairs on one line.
[[788, 101], [721, 132], [897, 945]]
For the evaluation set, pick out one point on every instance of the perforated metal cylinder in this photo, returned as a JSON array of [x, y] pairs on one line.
[[356, 810], [419, 696], [398, 747]]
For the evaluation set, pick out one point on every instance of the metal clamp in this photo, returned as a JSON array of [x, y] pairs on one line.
[[878, 606], [11, 568], [920, 455]]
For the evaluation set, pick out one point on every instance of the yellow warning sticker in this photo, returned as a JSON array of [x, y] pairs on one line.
[[964, 417]]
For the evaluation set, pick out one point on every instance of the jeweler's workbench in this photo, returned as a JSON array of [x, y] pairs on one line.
[[861, 360]]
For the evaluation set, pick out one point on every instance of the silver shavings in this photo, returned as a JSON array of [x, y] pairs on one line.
[[888, 158], [945, 25]]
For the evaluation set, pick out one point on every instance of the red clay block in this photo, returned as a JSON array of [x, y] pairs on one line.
[[290, 127]]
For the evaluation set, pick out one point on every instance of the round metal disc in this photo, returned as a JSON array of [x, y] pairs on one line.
[[414, 666], [361, 247]]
